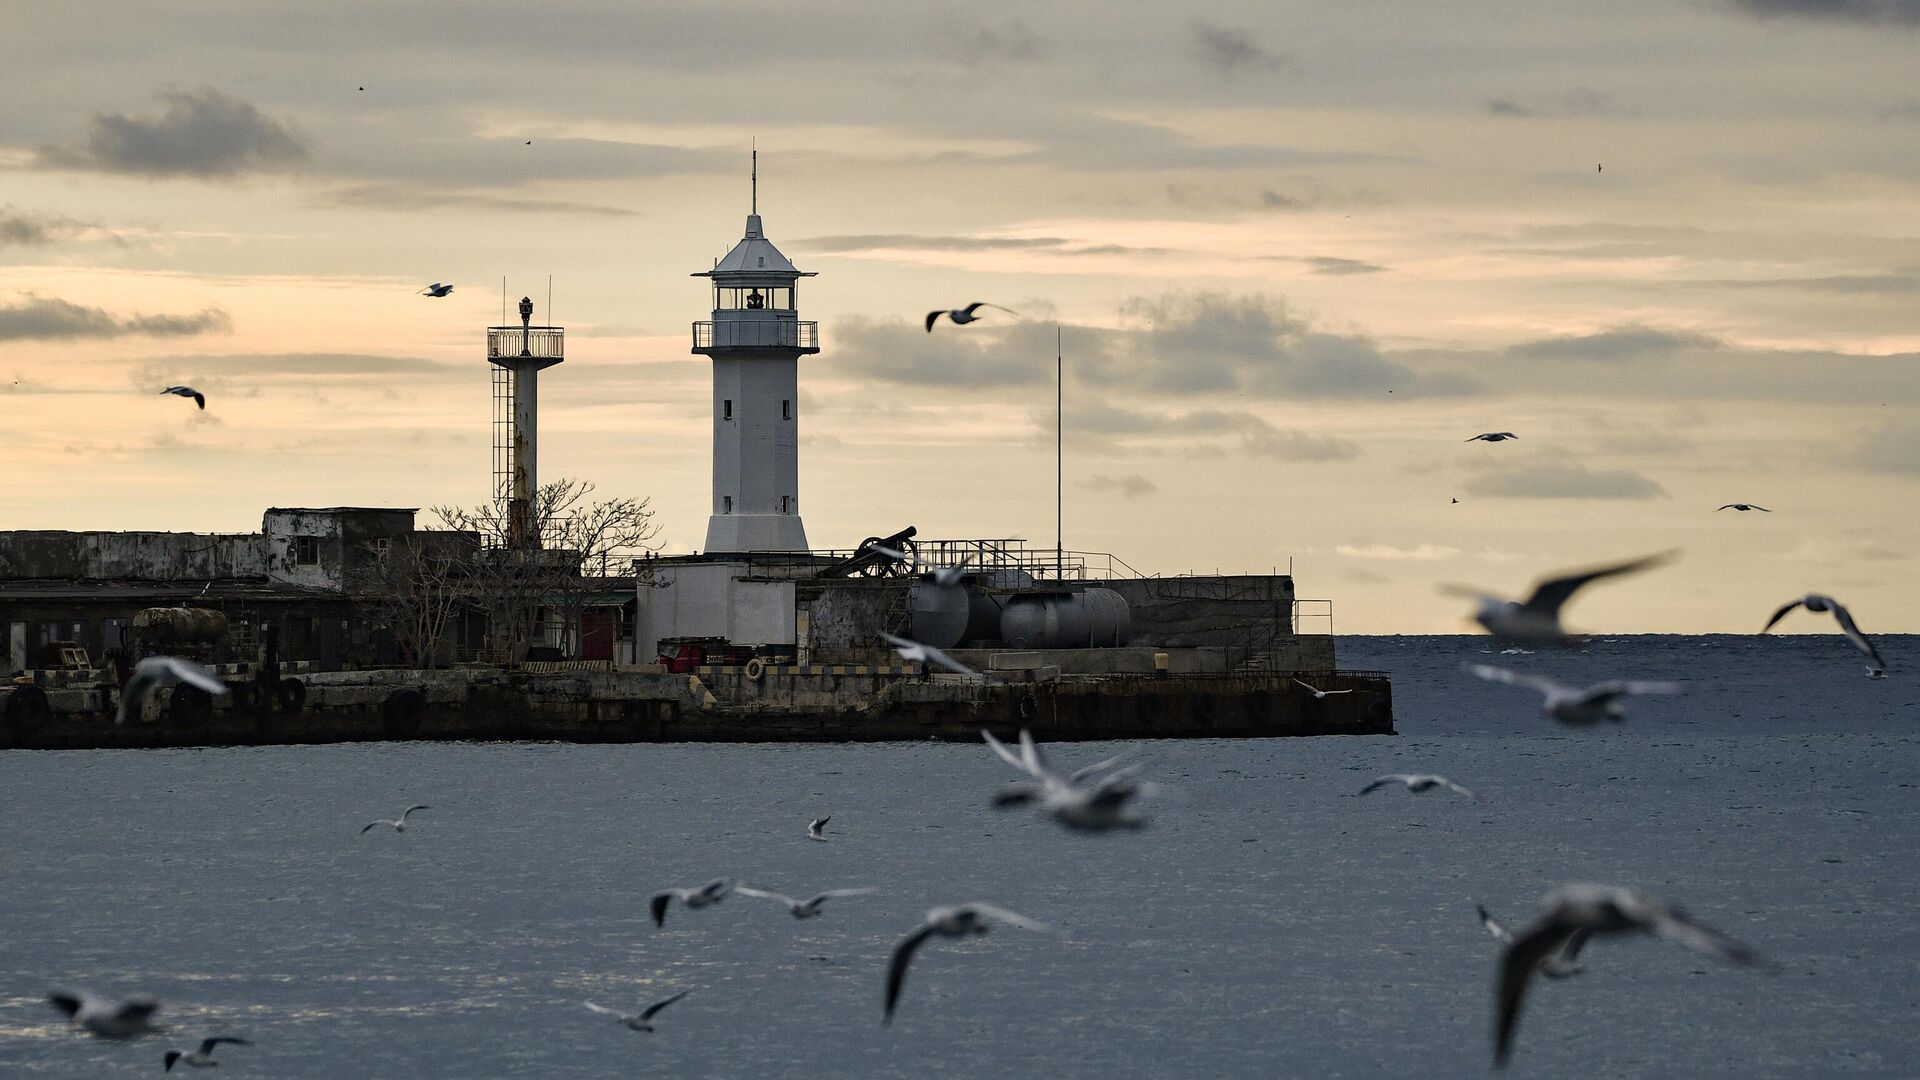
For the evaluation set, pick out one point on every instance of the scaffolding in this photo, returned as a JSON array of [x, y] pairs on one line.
[[503, 433]]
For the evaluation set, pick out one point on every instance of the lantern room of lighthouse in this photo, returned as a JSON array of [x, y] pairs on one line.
[[755, 340]]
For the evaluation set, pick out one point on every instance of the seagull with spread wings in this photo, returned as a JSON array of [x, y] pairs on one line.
[[399, 824], [642, 1020], [155, 672], [965, 315], [1814, 602], [1574, 705], [958, 921], [802, 909], [203, 1057], [1417, 783], [1536, 620]]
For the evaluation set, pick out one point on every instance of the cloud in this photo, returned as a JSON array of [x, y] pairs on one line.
[[1228, 50], [1423, 553], [1870, 12], [1889, 448], [1565, 480], [1273, 200], [21, 229], [1129, 486], [414, 200], [1578, 102], [905, 353], [1206, 432], [48, 319], [1630, 342], [1328, 264], [202, 133], [311, 365], [1209, 342], [1892, 283], [1011, 42]]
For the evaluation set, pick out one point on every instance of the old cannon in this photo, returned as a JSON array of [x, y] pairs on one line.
[[867, 561]]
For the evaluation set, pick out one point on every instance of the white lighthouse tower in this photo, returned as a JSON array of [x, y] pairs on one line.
[[755, 340]]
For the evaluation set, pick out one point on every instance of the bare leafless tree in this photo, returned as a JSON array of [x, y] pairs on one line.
[[413, 585], [579, 543]]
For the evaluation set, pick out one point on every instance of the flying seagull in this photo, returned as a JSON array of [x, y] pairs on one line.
[[642, 1020], [817, 828], [1319, 693], [692, 899], [953, 922], [399, 824], [1744, 507], [801, 909], [107, 1019], [1575, 705], [943, 576], [1536, 620], [965, 315], [203, 1057], [436, 289], [1418, 783], [1493, 436], [1600, 910], [1560, 965], [926, 654], [1088, 807], [154, 672], [199, 398], [1815, 602]]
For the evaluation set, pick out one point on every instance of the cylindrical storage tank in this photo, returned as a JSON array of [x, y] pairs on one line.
[[983, 615], [1111, 619], [937, 615], [1090, 618]]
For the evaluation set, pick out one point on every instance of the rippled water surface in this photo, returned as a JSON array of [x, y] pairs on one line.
[[1268, 924]]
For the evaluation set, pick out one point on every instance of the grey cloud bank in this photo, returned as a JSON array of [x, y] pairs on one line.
[[52, 319], [203, 133]]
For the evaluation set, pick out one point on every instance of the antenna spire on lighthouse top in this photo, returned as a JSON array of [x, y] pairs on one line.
[[755, 211]]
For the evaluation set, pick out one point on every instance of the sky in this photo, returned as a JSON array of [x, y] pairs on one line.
[[1297, 253]]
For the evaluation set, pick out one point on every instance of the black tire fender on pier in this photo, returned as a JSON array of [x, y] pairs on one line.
[[189, 707], [403, 712], [755, 668], [27, 710], [292, 695]]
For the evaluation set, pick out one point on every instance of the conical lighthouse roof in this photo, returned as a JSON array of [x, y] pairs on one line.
[[754, 256]]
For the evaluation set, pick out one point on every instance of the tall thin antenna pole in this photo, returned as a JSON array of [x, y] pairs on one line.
[[550, 321], [756, 176], [1059, 456], [503, 299]]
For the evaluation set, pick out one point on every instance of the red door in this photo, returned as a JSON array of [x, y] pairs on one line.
[[596, 635]]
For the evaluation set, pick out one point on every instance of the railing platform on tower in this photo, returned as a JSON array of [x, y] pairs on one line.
[[526, 342], [768, 334]]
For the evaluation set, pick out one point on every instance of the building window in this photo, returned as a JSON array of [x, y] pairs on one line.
[[726, 504], [786, 409], [783, 503], [726, 409], [306, 550]]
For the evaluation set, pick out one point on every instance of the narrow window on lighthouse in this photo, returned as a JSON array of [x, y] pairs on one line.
[[726, 409], [783, 503], [786, 409], [726, 504]]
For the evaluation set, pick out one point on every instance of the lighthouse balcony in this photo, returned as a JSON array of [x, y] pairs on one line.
[[756, 334], [534, 342]]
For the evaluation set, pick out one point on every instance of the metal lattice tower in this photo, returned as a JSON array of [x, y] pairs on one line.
[[518, 353]]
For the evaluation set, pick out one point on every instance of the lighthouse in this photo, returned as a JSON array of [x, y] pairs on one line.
[[755, 340]]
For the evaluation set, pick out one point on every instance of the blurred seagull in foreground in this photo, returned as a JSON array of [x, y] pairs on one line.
[[1493, 436], [1572, 704], [107, 1019], [399, 824], [1536, 620], [1595, 910], [1319, 693], [1089, 807], [965, 315], [801, 909], [436, 289], [199, 398], [155, 672], [1744, 507], [203, 1057], [1418, 783], [692, 899], [943, 576], [639, 1021], [1560, 965], [926, 654], [953, 922], [1814, 602], [817, 828]]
